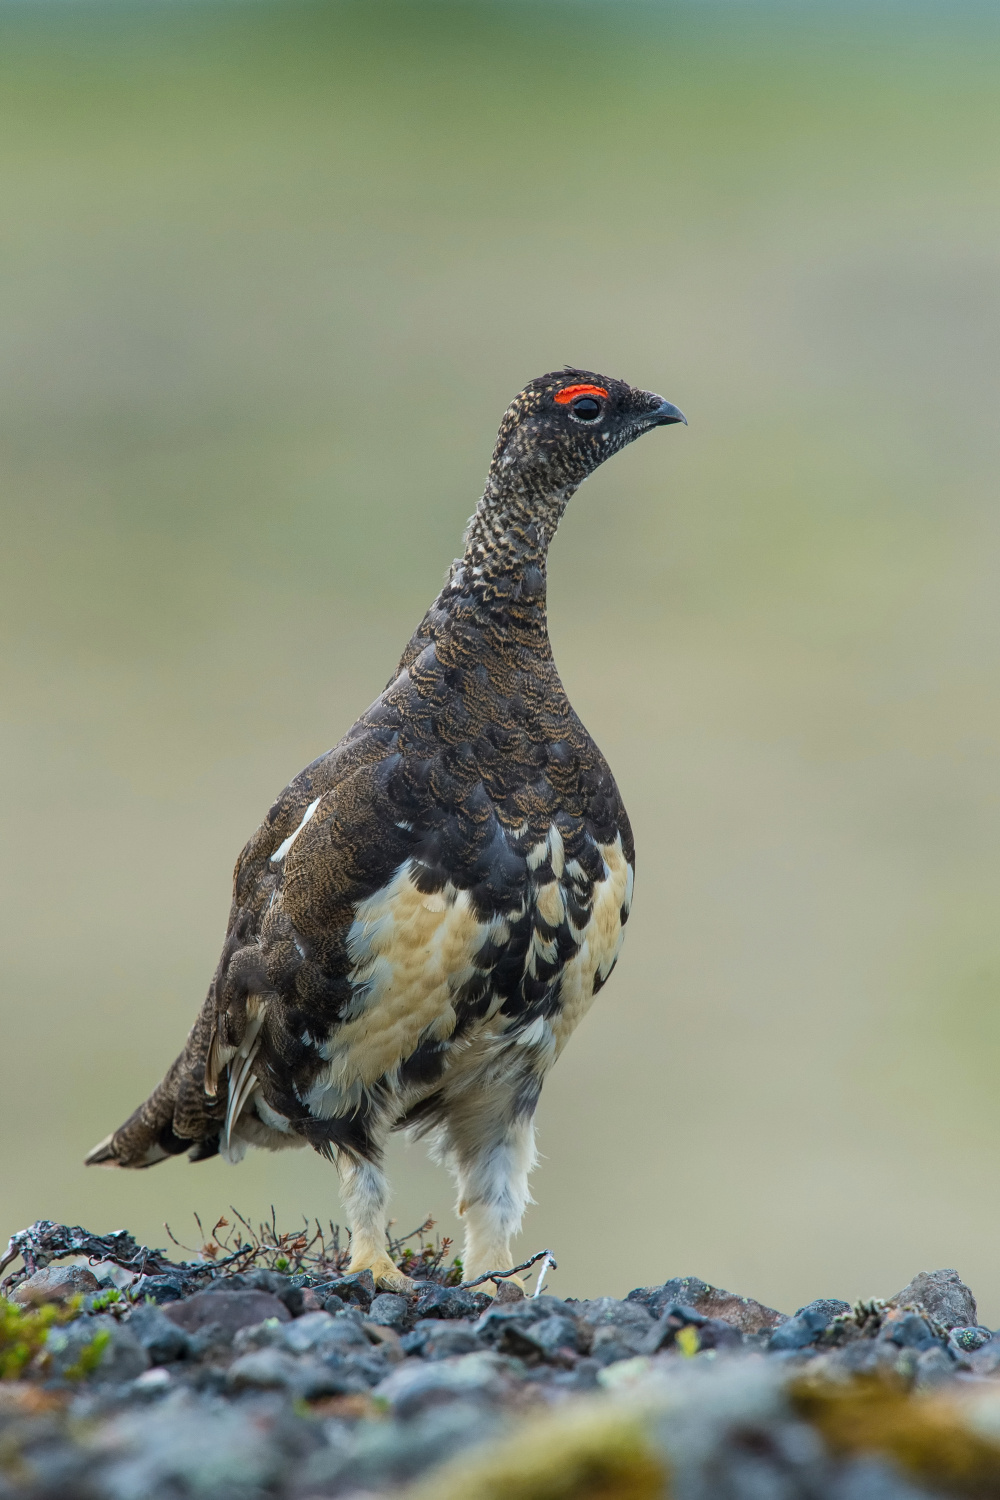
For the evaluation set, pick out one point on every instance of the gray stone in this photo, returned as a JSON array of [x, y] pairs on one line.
[[263, 1370], [159, 1288], [509, 1291], [281, 1287], [446, 1302], [829, 1307], [208, 1379], [390, 1311], [212, 1342], [615, 1330], [717, 1333], [556, 1335], [417, 1384], [371, 1368], [386, 1455], [872, 1357], [493, 1319], [674, 1317], [346, 1331], [710, 1333], [55, 1284], [394, 1455], [57, 1470], [357, 1288], [188, 1445], [414, 1342], [264, 1335], [609, 1349], [558, 1331], [654, 1299], [546, 1306], [941, 1294], [745, 1313], [630, 1322], [94, 1349], [871, 1479], [516, 1329], [935, 1366], [263, 1280], [162, 1340], [152, 1384], [801, 1330], [386, 1342], [582, 1377], [227, 1310], [614, 1312], [307, 1379], [986, 1359], [911, 1331], [313, 1330], [963, 1341], [434, 1338]]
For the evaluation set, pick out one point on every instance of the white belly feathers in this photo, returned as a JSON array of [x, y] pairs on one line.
[[411, 954]]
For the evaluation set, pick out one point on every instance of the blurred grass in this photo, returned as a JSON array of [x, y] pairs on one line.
[[269, 276]]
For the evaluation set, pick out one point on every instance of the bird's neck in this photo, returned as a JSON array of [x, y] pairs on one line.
[[493, 599], [508, 536]]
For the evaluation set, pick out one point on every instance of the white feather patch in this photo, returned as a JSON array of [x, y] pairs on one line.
[[283, 848], [242, 1079]]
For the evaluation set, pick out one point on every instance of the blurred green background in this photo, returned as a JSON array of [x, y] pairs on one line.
[[269, 275]]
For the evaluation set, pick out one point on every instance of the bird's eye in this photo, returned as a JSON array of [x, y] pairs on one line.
[[586, 409]]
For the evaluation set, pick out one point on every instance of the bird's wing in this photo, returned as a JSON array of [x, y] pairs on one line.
[[354, 937]]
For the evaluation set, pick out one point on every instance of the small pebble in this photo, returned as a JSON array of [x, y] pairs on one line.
[[390, 1310]]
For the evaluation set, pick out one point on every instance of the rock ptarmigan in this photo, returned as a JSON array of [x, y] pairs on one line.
[[429, 909]]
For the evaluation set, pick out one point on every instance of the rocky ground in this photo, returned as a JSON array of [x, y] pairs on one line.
[[201, 1381]]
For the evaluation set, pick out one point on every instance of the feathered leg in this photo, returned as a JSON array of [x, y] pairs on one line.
[[490, 1148], [364, 1191]]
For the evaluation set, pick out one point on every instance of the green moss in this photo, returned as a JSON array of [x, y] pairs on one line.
[[103, 1300], [90, 1356], [588, 1453], [23, 1331], [688, 1341], [927, 1436]]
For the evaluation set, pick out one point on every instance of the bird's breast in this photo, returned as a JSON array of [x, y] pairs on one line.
[[436, 980]]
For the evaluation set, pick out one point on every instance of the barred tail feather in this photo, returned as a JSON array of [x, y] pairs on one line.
[[178, 1115]]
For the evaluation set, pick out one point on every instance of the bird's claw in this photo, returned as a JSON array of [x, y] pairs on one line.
[[395, 1281], [388, 1277]]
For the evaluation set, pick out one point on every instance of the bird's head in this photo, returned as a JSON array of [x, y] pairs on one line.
[[561, 426], [555, 433]]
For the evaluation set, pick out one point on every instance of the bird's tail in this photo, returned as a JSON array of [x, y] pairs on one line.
[[178, 1115]]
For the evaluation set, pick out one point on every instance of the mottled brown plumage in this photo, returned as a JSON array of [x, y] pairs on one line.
[[428, 909]]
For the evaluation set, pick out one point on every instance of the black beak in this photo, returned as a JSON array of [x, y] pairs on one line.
[[665, 413]]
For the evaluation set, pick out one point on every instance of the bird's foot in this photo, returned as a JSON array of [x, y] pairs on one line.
[[388, 1278]]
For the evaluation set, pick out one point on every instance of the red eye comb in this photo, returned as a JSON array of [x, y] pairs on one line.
[[570, 392]]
